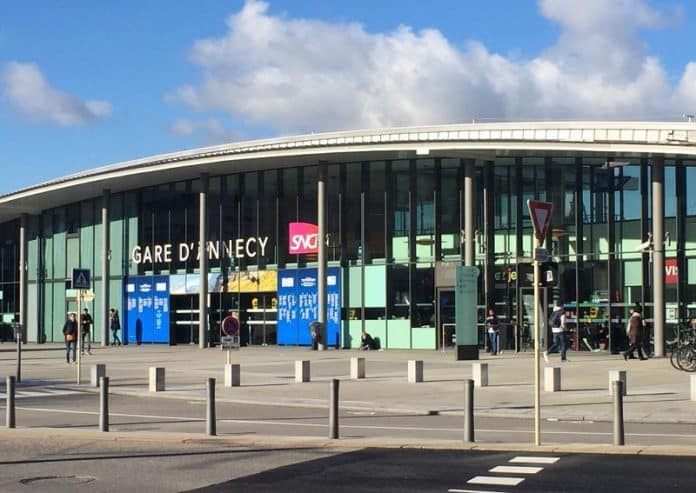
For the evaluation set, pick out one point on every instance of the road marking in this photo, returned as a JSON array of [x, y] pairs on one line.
[[534, 460], [495, 480], [516, 469], [452, 490]]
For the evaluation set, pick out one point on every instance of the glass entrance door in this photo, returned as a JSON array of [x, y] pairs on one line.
[[445, 317]]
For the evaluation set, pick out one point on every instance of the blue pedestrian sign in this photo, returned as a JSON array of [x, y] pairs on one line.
[[81, 279]]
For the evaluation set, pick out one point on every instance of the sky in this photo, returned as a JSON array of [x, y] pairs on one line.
[[85, 83]]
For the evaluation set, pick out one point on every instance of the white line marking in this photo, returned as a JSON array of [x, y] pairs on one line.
[[534, 460], [452, 490], [516, 469], [495, 480]]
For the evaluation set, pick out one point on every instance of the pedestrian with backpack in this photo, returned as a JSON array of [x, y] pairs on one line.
[[558, 330]]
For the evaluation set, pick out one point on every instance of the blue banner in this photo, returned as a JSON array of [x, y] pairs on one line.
[[298, 305], [147, 310]]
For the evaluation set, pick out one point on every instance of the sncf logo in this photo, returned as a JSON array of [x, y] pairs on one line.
[[303, 238]]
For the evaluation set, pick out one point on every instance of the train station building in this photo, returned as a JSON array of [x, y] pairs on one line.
[[177, 241]]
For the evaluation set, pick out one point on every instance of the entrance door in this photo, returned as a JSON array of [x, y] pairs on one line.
[[184, 318], [445, 317]]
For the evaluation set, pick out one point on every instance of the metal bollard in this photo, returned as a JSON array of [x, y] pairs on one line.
[[469, 410], [211, 422], [103, 403], [19, 357], [619, 438], [333, 410], [10, 389]]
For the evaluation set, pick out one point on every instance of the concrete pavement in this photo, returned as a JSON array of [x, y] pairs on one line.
[[656, 392]]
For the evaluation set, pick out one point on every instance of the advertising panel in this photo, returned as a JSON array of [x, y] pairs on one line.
[[147, 310], [298, 305]]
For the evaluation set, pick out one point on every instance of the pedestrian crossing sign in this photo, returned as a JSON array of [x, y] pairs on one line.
[[81, 279]]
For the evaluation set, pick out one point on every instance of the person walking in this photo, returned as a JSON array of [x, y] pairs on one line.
[[70, 336], [559, 332], [634, 330], [86, 324], [115, 326], [492, 330]]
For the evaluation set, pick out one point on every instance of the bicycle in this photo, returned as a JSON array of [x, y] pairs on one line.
[[683, 350]]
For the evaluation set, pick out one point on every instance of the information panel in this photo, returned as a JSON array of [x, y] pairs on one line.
[[298, 305], [466, 291], [147, 310]]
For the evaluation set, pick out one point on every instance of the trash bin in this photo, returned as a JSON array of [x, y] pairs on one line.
[[315, 332]]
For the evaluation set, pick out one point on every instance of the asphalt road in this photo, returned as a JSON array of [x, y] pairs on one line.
[[66, 409], [389, 470]]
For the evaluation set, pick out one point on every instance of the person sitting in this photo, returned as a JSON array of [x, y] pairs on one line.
[[367, 342]]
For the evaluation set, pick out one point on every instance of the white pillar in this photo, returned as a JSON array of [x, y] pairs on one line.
[[98, 370], [615, 375], [232, 375], [156, 379], [415, 371], [357, 368], [479, 372], [552, 379], [302, 371]]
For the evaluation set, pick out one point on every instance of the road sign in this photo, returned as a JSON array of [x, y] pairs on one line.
[[541, 254], [230, 326], [81, 279], [540, 212], [229, 342]]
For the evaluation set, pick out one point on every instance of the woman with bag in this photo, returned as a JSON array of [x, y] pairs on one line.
[[70, 335], [115, 325]]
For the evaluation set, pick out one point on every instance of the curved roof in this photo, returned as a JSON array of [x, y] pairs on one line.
[[475, 140]]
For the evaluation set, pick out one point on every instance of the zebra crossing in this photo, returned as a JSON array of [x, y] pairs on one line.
[[41, 392], [510, 475]]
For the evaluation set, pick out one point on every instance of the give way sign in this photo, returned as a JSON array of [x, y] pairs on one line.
[[540, 212]]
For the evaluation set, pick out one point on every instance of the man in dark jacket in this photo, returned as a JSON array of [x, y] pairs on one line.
[[634, 331], [70, 335], [86, 323]]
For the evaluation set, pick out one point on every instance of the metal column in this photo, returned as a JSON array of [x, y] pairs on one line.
[[658, 230], [469, 172], [321, 257], [203, 262], [105, 261], [23, 274]]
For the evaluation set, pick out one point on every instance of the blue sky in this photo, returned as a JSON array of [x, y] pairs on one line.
[[85, 83]]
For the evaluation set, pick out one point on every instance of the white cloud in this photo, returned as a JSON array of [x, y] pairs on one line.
[[296, 75], [27, 89]]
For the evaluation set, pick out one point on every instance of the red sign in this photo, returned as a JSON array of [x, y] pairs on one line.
[[540, 212], [303, 238], [671, 271], [230, 326]]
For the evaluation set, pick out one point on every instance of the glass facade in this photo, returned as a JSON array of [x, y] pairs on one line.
[[392, 225]]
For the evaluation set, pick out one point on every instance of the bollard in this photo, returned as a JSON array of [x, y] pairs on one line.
[[19, 357], [618, 375], [693, 387], [103, 403], [98, 371], [469, 411], [156, 379], [479, 372], [552, 379], [415, 371], [211, 421], [10, 389], [302, 370], [232, 375], [618, 392], [333, 410], [357, 368]]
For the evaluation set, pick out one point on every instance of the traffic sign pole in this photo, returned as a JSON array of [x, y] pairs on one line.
[[540, 212], [537, 359], [79, 338]]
